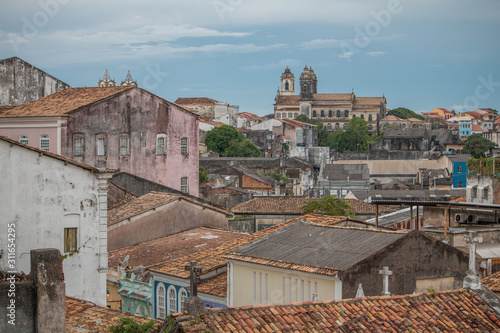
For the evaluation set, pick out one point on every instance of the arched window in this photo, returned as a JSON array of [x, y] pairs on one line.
[[370, 118], [338, 113], [345, 126], [330, 113], [337, 126], [183, 295], [370, 127], [23, 139], [287, 86], [346, 113], [322, 113], [363, 116], [314, 113], [290, 115], [44, 142], [329, 126], [160, 297], [172, 300]]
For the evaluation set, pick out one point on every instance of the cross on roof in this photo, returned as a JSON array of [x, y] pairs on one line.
[[386, 273], [193, 278]]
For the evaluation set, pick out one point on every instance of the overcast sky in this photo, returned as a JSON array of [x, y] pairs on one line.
[[420, 54]]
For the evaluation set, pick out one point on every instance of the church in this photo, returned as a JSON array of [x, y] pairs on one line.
[[332, 110]]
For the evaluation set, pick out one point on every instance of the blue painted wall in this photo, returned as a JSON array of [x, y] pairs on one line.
[[459, 175]]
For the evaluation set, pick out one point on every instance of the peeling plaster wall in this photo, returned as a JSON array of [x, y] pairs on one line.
[[166, 220], [22, 83], [42, 196], [139, 113]]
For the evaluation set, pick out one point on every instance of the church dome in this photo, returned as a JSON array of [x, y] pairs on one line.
[[308, 74], [287, 74]]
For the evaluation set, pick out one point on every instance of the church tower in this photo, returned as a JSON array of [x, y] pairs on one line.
[[308, 84], [287, 83], [106, 80], [129, 81]]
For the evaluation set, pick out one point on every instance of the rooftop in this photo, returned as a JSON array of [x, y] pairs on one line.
[[454, 311], [194, 100], [84, 316]]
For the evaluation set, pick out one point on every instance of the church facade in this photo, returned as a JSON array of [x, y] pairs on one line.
[[332, 110]]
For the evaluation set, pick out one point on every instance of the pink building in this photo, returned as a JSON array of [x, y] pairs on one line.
[[124, 128]]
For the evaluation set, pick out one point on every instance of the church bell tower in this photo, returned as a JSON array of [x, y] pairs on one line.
[[308, 84], [287, 83]]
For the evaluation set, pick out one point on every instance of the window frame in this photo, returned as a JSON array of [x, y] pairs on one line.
[[184, 146], [70, 240], [81, 138], [24, 139], [161, 149], [44, 140], [185, 186], [124, 138], [171, 300], [183, 296], [161, 310], [101, 150]]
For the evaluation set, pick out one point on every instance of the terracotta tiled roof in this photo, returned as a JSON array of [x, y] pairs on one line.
[[249, 115], [83, 316], [164, 249], [56, 156], [148, 202], [476, 128], [453, 311], [288, 100], [212, 259], [194, 100], [370, 100], [295, 205], [63, 102], [5, 109], [492, 282], [216, 286], [337, 97]]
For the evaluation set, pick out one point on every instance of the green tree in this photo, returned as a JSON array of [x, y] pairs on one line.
[[494, 111], [328, 205], [322, 131], [203, 175], [477, 145], [245, 148], [219, 138], [354, 138], [404, 113], [127, 325]]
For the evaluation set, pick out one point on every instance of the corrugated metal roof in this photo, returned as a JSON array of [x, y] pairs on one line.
[[309, 244]]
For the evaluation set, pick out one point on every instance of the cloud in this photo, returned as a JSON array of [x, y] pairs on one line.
[[346, 55], [319, 44], [265, 67], [376, 53]]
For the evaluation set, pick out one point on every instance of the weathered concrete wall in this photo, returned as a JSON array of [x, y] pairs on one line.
[[481, 183], [259, 164], [44, 196], [142, 116], [417, 257], [383, 155], [163, 221], [315, 155], [22, 83]]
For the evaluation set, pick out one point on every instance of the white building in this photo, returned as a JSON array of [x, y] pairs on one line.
[[50, 201]]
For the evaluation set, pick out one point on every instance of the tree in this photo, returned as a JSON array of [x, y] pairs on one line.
[[354, 138], [219, 138], [245, 148], [328, 205], [404, 113], [477, 145], [203, 175], [128, 325]]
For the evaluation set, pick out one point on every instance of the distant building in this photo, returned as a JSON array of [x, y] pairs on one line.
[[207, 107], [21, 82], [439, 112], [332, 110]]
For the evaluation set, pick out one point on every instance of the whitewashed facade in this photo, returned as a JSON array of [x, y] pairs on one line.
[[49, 201]]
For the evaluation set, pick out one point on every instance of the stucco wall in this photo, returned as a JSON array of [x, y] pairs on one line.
[[166, 220], [248, 280], [22, 83], [42, 196], [137, 113], [14, 128], [414, 257]]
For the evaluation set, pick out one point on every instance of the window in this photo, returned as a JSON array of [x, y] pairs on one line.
[[474, 192], [460, 184], [485, 193], [329, 126], [184, 146], [337, 126], [370, 118], [44, 142], [182, 299], [286, 86], [124, 145], [346, 113], [143, 139], [322, 113], [70, 239], [314, 113], [459, 169], [160, 293], [78, 146], [290, 115], [101, 146], [172, 300], [338, 113], [363, 116], [345, 126], [370, 127], [161, 144], [184, 185], [330, 113], [23, 139]]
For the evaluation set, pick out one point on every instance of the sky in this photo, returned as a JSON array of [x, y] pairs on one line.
[[418, 54]]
